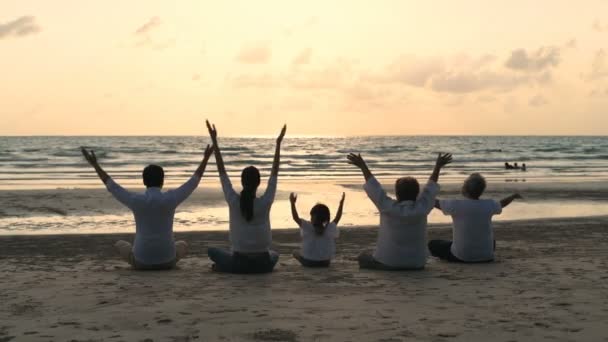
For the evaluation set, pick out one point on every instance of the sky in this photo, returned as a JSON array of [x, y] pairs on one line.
[[323, 67]]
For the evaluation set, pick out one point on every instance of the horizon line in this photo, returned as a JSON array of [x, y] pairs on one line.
[[301, 136]]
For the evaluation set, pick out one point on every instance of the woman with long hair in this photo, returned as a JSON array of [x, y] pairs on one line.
[[250, 234]]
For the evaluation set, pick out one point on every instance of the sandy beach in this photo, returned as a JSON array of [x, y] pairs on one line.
[[550, 282]]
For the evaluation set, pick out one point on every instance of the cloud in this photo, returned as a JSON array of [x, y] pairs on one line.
[[599, 66], [151, 24], [541, 59], [20, 27], [408, 70], [303, 57], [537, 101], [470, 81], [258, 53]]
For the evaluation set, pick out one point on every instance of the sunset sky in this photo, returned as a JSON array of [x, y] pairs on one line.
[[322, 67]]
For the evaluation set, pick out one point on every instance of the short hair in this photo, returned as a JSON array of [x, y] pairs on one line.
[[407, 189], [154, 176], [474, 186]]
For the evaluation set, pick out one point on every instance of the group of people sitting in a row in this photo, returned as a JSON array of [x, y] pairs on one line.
[[515, 166], [401, 241]]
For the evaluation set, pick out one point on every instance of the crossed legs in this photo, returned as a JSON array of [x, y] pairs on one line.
[[125, 250]]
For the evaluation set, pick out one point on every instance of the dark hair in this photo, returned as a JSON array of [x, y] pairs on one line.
[[250, 179], [319, 216], [154, 176], [407, 189]]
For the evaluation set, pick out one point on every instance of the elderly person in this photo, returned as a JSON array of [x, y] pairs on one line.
[[402, 235], [472, 234]]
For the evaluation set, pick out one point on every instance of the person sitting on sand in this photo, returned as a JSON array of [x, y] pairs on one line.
[[318, 234], [508, 166], [154, 247], [515, 166], [250, 233], [472, 233], [402, 236], [523, 167]]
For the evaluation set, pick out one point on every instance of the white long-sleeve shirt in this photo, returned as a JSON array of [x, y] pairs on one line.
[[473, 235], [153, 211], [250, 236], [402, 233]]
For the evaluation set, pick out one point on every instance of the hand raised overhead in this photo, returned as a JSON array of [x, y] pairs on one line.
[[208, 151], [89, 156], [293, 197], [282, 134], [356, 159], [443, 159], [343, 197], [212, 131]]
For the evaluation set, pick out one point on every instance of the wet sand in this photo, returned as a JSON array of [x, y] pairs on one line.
[[84, 211], [550, 282]]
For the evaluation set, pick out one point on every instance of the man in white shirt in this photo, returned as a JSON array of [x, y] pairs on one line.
[[154, 246], [401, 241], [472, 233]]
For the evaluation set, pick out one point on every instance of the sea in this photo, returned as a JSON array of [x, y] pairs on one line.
[[55, 161], [46, 186]]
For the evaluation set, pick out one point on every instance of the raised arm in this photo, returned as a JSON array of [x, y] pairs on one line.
[[442, 160], [218, 154], [203, 165], [92, 160], [120, 193], [507, 200], [186, 189], [340, 208], [229, 192], [357, 160], [294, 211], [277, 153]]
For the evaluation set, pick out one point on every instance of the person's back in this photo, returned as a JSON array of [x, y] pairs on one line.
[[318, 235], [154, 212], [154, 246], [254, 235], [250, 232], [401, 241], [472, 234], [402, 234]]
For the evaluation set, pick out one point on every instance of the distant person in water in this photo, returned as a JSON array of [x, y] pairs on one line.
[[318, 234], [401, 241], [472, 233], [154, 247], [250, 233]]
